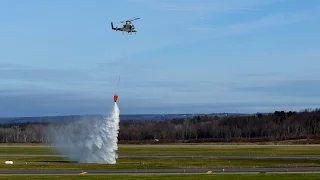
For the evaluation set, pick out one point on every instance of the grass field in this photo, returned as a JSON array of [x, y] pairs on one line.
[[165, 163], [190, 150], [171, 177], [127, 163]]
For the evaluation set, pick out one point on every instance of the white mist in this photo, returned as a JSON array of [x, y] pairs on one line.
[[89, 140]]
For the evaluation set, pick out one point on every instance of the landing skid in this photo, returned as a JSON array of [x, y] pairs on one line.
[[129, 33]]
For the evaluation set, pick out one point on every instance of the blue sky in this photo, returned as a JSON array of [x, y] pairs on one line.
[[61, 57]]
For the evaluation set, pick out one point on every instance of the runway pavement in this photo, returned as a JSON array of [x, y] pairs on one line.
[[178, 156], [167, 171]]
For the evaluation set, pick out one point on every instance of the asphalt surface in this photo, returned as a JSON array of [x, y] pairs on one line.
[[167, 171], [179, 156]]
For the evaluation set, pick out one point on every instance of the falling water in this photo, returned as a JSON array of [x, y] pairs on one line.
[[88, 140]]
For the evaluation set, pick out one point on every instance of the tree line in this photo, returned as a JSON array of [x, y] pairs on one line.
[[276, 126]]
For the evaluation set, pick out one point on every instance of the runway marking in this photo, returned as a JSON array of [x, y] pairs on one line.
[[83, 173], [209, 172]]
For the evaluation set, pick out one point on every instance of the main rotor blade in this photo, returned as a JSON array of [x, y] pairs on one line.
[[134, 19]]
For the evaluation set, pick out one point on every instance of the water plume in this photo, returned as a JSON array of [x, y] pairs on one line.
[[88, 140]]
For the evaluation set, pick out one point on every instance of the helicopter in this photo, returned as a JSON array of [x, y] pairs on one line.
[[127, 27]]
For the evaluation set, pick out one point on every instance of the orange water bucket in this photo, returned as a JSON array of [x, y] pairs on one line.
[[115, 98]]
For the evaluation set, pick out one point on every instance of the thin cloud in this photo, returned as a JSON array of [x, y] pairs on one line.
[[10, 66], [198, 18], [259, 74], [32, 74], [288, 88], [193, 8], [273, 20], [208, 6], [207, 28], [29, 80]]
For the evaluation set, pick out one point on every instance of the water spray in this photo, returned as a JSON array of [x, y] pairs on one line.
[[88, 140]]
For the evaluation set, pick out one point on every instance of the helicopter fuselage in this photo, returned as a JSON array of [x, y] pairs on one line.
[[129, 28]]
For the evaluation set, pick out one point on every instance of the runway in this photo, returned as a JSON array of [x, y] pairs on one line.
[[165, 171], [179, 156]]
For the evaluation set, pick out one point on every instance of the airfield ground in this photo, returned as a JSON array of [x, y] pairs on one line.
[[206, 160], [170, 177], [182, 149]]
